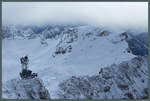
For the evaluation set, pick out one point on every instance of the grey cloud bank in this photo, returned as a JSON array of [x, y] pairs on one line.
[[122, 14]]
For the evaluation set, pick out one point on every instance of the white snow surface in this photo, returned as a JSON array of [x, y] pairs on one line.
[[88, 55]]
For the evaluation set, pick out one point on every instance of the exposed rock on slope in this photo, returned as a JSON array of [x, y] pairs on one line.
[[64, 45], [25, 89], [139, 44], [127, 80]]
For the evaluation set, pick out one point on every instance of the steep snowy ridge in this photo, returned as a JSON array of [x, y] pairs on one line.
[[128, 80], [25, 89]]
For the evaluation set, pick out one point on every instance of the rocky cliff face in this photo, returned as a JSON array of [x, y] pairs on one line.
[[128, 80], [25, 89]]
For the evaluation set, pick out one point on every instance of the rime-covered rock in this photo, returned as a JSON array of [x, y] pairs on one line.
[[25, 89], [128, 80]]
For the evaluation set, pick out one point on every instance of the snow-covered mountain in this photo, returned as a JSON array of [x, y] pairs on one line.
[[58, 52]]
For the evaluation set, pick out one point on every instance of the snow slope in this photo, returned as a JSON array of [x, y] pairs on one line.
[[92, 48], [12, 50]]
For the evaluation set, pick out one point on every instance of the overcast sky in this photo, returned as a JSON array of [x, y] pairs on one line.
[[96, 13]]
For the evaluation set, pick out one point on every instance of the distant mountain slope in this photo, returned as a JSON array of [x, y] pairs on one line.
[[139, 44], [32, 31]]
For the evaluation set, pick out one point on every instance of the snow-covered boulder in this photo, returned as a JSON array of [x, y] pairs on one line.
[[128, 80], [25, 89]]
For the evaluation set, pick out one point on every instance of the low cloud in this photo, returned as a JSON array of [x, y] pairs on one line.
[[115, 14]]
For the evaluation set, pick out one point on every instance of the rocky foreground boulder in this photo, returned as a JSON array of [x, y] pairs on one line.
[[128, 80], [25, 89]]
